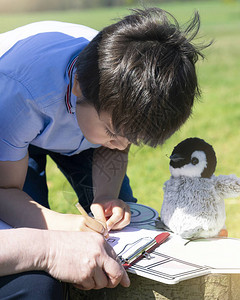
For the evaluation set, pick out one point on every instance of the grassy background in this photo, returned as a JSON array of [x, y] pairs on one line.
[[216, 116]]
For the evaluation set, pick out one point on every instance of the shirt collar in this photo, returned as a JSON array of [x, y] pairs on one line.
[[68, 103]]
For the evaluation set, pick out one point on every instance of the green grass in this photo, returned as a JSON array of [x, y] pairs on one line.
[[216, 117]]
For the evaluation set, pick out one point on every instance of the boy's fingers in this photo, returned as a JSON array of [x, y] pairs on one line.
[[98, 212], [121, 223], [96, 225], [120, 218], [117, 215], [118, 212]]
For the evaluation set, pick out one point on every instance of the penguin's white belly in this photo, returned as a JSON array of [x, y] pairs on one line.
[[192, 208]]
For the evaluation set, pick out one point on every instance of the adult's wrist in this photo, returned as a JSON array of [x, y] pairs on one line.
[[23, 249], [36, 248]]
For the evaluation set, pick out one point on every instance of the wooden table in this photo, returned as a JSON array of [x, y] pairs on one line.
[[209, 287]]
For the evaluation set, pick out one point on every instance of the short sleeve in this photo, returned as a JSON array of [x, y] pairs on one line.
[[19, 119]]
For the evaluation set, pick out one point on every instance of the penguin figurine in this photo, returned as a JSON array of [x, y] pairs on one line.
[[193, 205]]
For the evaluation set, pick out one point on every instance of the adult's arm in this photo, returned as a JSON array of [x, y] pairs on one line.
[[84, 259]]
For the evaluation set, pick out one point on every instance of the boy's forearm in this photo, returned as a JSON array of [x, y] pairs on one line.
[[17, 255], [109, 169], [19, 210]]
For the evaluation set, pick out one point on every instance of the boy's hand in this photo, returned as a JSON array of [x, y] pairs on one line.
[[79, 223], [115, 213]]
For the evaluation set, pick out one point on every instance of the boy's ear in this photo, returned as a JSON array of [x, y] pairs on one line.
[[76, 90]]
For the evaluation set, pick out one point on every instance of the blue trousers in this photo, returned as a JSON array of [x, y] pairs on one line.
[[78, 171], [29, 286], [76, 168]]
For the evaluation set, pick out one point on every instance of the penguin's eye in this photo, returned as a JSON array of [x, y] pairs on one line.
[[194, 161]]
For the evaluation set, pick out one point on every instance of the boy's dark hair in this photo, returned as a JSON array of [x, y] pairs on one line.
[[142, 71]]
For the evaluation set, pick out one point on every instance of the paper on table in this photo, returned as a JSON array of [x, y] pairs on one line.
[[221, 253], [178, 259]]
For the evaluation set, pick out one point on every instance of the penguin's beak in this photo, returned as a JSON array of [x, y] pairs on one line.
[[176, 157]]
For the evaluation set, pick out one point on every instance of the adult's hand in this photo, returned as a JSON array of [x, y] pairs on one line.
[[84, 259]]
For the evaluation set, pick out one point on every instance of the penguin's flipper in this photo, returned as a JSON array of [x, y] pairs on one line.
[[160, 225], [228, 185], [191, 234]]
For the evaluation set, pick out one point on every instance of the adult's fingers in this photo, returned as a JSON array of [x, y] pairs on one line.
[[98, 281], [87, 284], [100, 278], [114, 269], [116, 274]]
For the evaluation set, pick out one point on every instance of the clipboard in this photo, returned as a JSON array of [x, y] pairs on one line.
[[140, 249]]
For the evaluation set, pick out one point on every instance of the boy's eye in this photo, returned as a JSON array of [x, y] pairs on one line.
[[109, 133]]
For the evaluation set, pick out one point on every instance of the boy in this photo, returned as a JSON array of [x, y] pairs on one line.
[[83, 103]]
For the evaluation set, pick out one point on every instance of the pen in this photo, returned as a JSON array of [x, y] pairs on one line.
[[81, 209], [145, 250]]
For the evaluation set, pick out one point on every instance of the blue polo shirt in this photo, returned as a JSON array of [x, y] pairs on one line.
[[34, 78]]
